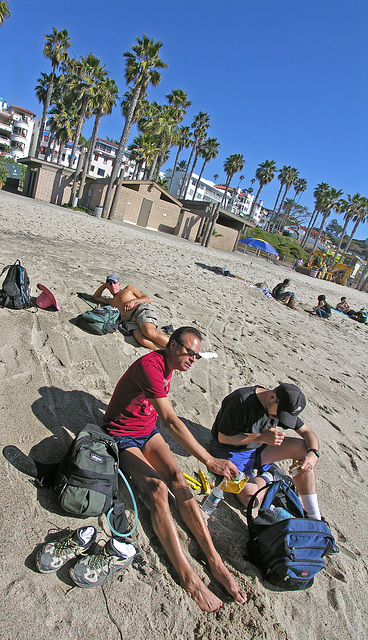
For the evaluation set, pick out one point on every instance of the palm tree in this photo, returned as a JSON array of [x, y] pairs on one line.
[[287, 176], [360, 215], [215, 177], [4, 11], [300, 185], [103, 100], [161, 122], [349, 207], [208, 151], [232, 165], [200, 124], [183, 143], [143, 150], [265, 173], [326, 204], [55, 48], [86, 76], [318, 195], [141, 69], [182, 165], [62, 122], [179, 99]]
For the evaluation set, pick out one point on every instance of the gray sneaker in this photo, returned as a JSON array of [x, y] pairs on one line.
[[95, 569], [54, 555]]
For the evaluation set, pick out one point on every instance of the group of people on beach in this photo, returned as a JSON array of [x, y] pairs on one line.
[[247, 436], [322, 309]]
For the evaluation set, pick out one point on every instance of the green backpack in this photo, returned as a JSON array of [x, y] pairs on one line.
[[100, 320], [87, 479]]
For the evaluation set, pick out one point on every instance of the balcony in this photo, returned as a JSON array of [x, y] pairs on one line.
[[19, 133], [4, 126]]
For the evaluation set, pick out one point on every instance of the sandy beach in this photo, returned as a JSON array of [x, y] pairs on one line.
[[57, 378]]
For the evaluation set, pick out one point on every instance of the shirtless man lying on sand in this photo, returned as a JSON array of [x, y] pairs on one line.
[[138, 316]]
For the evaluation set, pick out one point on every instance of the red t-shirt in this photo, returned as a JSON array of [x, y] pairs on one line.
[[129, 411]]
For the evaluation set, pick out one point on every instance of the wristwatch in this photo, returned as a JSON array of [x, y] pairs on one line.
[[314, 451]]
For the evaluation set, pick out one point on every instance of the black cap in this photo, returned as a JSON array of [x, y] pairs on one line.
[[291, 402]]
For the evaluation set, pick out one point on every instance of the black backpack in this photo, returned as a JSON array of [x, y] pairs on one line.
[[16, 290], [289, 551], [100, 320]]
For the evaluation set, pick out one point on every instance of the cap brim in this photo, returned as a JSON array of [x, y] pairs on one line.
[[46, 292], [286, 419]]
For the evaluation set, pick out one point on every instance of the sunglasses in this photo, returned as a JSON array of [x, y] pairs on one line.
[[190, 352], [111, 282]]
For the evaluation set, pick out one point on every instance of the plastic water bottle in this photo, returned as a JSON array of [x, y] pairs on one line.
[[212, 500], [280, 513]]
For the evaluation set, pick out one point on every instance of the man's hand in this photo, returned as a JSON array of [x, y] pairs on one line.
[[273, 436], [309, 462], [223, 468], [130, 304]]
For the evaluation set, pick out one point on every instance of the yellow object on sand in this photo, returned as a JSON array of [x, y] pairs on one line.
[[204, 480], [235, 485], [192, 482]]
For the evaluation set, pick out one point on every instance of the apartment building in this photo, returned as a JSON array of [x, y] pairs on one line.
[[16, 127], [103, 157], [238, 202]]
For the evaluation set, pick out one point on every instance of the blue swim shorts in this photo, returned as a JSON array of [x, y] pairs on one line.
[[127, 442], [245, 460]]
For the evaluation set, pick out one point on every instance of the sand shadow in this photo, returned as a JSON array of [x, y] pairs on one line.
[[201, 434]]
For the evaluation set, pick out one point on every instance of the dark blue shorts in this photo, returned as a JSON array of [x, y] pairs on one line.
[[245, 460], [127, 442]]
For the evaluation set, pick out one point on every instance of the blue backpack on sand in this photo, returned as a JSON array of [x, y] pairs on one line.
[[100, 321], [289, 551], [16, 290]]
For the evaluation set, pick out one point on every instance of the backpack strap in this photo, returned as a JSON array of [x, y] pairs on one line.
[[271, 491]]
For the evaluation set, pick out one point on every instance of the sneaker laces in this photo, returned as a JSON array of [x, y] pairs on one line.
[[100, 558], [67, 545]]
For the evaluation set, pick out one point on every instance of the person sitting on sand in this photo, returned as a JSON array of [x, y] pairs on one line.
[[323, 309], [138, 316], [130, 418], [279, 292], [343, 306], [360, 316], [247, 432]]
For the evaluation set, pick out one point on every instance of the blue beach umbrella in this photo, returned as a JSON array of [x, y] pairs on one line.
[[262, 245]]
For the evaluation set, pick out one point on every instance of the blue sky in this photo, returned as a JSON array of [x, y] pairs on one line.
[[285, 80]]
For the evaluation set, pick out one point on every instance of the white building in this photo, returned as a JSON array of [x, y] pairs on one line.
[[16, 127], [102, 159], [237, 201]]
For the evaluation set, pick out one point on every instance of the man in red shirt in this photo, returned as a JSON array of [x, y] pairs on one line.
[[139, 396]]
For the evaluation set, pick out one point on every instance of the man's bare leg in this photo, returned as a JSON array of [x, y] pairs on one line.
[[151, 339], [160, 457], [294, 449], [150, 331], [135, 464]]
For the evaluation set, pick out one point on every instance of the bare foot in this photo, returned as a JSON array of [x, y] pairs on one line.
[[202, 596], [224, 576]]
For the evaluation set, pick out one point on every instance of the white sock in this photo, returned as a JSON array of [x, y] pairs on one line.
[[267, 476], [310, 504], [86, 534], [126, 550]]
